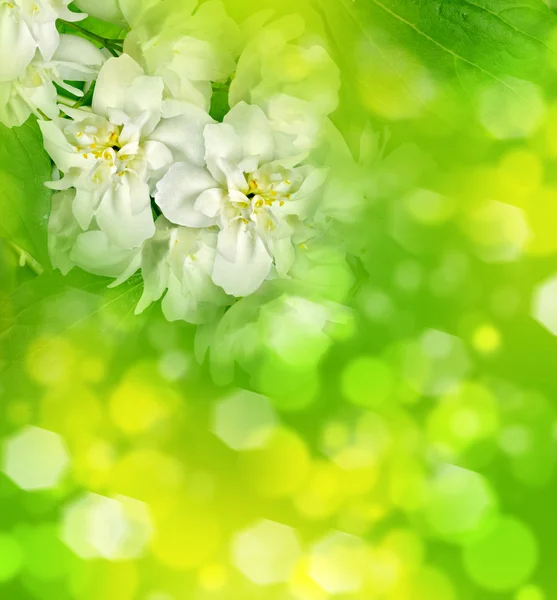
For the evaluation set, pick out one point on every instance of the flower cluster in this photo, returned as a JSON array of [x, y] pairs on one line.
[[209, 200]]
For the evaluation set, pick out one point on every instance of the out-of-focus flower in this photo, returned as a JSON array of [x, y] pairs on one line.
[[34, 92], [290, 75], [257, 198], [111, 154], [180, 260], [188, 50], [27, 27]]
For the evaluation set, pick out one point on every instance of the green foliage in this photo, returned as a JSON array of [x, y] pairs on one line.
[[24, 199], [108, 31], [52, 305], [219, 102], [496, 37]]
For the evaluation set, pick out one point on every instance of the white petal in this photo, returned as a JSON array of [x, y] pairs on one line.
[[296, 123], [84, 206], [183, 91], [17, 46], [14, 111], [60, 150], [94, 253], [222, 143], [154, 264], [47, 38], [283, 254], [145, 96], [158, 157], [124, 213], [301, 203], [114, 82], [77, 114], [106, 10], [183, 134], [254, 129], [63, 231], [210, 202], [196, 60], [192, 296], [178, 191], [250, 266], [75, 58], [45, 98]]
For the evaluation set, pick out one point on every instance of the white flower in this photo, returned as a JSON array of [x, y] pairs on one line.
[[180, 260], [92, 251], [28, 26], [188, 51], [114, 153], [75, 59], [256, 197]]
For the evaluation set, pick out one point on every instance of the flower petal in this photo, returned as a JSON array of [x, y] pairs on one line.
[[183, 134], [63, 231], [113, 84], [17, 46], [84, 207], [63, 154], [178, 191], [158, 158], [254, 129], [47, 38], [222, 145], [154, 264], [250, 265], [73, 55], [94, 253], [124, 213]]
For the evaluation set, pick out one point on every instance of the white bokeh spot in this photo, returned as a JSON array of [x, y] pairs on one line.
[[117, 528], [244, 420], [267, 552], [35, 459]]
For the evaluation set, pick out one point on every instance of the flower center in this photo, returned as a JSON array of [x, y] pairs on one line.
[[267, 194]]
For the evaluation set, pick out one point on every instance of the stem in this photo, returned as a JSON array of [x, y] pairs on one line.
[[26, 260], [113, 46]]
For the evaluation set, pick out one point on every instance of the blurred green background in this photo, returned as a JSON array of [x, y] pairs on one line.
[[396, 440]]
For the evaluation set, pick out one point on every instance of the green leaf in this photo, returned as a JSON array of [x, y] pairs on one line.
[[109, 31], [24, 199], [219, 104], [496, 37], [51, 306], [406, 57]]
